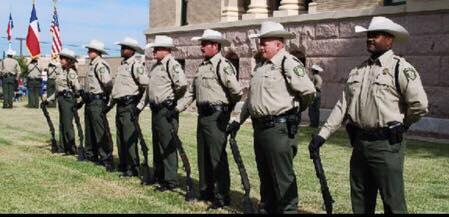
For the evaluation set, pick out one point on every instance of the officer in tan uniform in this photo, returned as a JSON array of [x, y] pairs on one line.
[[167, 85], [9, 72], [279, 91], [127, 91], [96, 93], [216, 90], [67, 89], [52, 68], [382, 98], [34, 80], [314, 109]]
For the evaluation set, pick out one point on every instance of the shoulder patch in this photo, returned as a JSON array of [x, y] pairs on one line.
[[72, 75], [102, 70], [140, 70], [176, 68], [410, 73], [299, 71], [229, 70]]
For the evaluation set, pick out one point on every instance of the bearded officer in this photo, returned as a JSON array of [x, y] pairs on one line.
[[97, 89], [10, 72], [129, 84], [382, 98], [34, 80], [167, 84], [215, 89], [279, 91], [314, 109]]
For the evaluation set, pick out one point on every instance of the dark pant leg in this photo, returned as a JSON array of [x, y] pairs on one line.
[[8, 91], [279, 151], [66, 117], [36, 93], [204, 169], [314, 111], [89, 137], [386, 163], [167, 165], [128, 133], [363, 187], [51, 88]]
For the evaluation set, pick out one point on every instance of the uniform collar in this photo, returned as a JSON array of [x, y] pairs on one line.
[[384, 59], [214, 60], [130, 60], [165, 59], [277, 59], [95, 61]]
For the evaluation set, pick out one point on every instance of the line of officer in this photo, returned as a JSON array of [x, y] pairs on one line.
[[97, 88], [279, 91], [52, 67], [215, 89], [382, 98], [314, 109], [34, 80], [167, 84], [129, 83], [10, 72], [67, 88]]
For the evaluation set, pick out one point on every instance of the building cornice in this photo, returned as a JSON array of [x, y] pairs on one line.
[[305, 18]]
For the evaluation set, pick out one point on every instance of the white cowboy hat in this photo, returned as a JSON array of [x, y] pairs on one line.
[[162, 41], [132, 43], [68, 54], [214, 36], [317, 68], [10, 52], [96, 45], [272, 29], [386, 25]]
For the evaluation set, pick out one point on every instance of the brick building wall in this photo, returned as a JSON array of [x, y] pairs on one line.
[[333, 5]]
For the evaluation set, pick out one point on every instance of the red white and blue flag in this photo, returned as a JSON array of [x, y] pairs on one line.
[[10, 27], [32, 40], [56, 46]]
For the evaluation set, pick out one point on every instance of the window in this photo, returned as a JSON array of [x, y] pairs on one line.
[[184, 13], [394, 2]]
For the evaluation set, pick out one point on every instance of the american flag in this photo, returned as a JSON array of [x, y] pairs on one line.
[[56, 34], [10, 27]]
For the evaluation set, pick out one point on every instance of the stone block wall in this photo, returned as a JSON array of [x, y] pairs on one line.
[[333, 44], [162, 13], [333, 5], [200, 11]]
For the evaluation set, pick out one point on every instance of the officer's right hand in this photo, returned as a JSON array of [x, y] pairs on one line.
[[233, 128], [315, 144]]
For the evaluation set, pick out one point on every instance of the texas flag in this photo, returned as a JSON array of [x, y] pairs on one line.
[[32, 40], [10, 27]]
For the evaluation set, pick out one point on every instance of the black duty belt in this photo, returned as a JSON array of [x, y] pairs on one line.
[[169, 104], [372, 134], [66, 94], [8, 75], [127, 100], [206, 109], [270, 120], [91, 97]]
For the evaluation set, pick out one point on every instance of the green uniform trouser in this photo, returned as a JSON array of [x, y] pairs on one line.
[[51, 88], [377, 166], [8, 90], [34, 87], [314, 110], [66, 115], [212, 158], [97, 141], [275, 151], [127, 138], [165, 158]]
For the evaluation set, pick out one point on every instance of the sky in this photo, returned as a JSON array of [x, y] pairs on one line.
[[80, 21]]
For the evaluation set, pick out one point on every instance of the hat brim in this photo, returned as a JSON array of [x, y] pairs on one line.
[[221, 41], [399, 36], [137, 48], [274, 34], [97, 49], [68, 56], [169, 46]]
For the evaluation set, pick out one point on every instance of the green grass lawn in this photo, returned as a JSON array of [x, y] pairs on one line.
[[32, 180]]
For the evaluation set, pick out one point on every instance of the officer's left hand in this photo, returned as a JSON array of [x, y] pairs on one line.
[[315, 144], [233, 128]]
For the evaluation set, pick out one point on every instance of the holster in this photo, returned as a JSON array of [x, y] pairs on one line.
[[396, 132], [351, 133], [293, 125]]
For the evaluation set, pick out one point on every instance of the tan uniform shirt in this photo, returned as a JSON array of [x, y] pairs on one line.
[[206, 87], [370, 98], [10, 66], [34, 71], [163, 86], [317, 81], [124, 85], [98, 72], [270, 94], [52, 71], [66, 80]]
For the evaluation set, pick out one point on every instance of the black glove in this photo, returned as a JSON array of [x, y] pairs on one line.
[[79, 105], [315, 144], [44, 103], [233, 128], [107, 108], [172, 114]]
